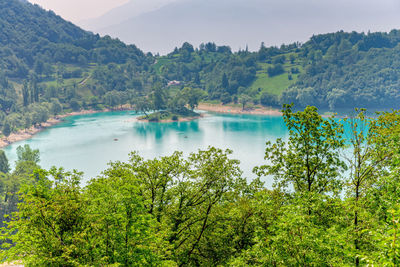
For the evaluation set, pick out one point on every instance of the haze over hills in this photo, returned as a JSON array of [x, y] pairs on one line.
[[47, 62], [335, 195], [240, 22], [125, 12]]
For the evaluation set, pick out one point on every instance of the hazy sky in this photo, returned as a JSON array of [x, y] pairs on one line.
[[77, 10], [236, 23]]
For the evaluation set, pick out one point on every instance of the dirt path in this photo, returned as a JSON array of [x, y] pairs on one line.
[[85, 80]]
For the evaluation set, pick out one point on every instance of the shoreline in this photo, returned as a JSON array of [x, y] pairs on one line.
[[25, 134], [219, 108]]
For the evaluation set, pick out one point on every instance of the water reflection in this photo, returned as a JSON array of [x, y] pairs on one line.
[[89, 142]]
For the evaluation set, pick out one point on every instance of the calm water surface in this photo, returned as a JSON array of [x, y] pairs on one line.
[[88, 142]]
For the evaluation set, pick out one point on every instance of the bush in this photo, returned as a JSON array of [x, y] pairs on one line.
[[294, 70], [226, 98], [275, 70], [268, 99], [75, 105]]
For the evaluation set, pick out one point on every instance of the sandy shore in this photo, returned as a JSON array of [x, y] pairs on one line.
[[238, 110], [28, 133]]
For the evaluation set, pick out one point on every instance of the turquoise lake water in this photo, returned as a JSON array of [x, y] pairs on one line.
[[88, 142]]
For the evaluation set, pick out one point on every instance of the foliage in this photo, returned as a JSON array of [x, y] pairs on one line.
[[199, 211], [309, 161], [26, 153], [4, 166], [138, 213], [57, 67]]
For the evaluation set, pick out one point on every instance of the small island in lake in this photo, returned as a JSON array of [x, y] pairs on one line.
[[178, 107], [170, 116]]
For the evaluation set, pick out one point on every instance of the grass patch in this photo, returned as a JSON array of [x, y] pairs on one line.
[[273, 85]]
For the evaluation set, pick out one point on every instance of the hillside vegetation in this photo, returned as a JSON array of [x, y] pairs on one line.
[[49, 66], [335, 200]]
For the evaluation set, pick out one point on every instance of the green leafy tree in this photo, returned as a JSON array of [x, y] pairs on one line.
[[4, 165], [47, 228], [378, 206], [193, 96], [6, 128], [142, 105], [122, 232], [244, 99], [25, 94], [26, 153], [183, 196], [159, 98], [177, 103], [56, 107], [309, 161], [365, 163], [225, 81]]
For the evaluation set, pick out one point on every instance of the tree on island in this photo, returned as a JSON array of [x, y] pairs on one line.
[[142, 105], [159, 98], [177, 103], [193, 96]]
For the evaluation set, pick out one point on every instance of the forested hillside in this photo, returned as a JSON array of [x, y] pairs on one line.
[[349, 70], [31, 37], [338, 70], [49, 66], [335, 200]]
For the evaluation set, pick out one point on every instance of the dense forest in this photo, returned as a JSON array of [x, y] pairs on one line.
[[335, 202], [330, 71], [49, 66]]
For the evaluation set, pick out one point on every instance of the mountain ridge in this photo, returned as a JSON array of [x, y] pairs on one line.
[[124, 12], [224, 22]]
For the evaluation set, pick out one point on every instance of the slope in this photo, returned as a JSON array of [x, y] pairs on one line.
[[125, 12], [238, 23]]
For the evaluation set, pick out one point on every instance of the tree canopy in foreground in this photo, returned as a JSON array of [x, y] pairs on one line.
[[335, 202]]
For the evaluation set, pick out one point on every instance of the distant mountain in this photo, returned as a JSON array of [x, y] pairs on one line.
[[244, 22], [125, 12]]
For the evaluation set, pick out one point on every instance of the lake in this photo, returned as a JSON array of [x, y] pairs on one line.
[[88, 142]]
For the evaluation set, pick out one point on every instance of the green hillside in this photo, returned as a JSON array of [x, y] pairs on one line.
[[335, 200], [48, 66]]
